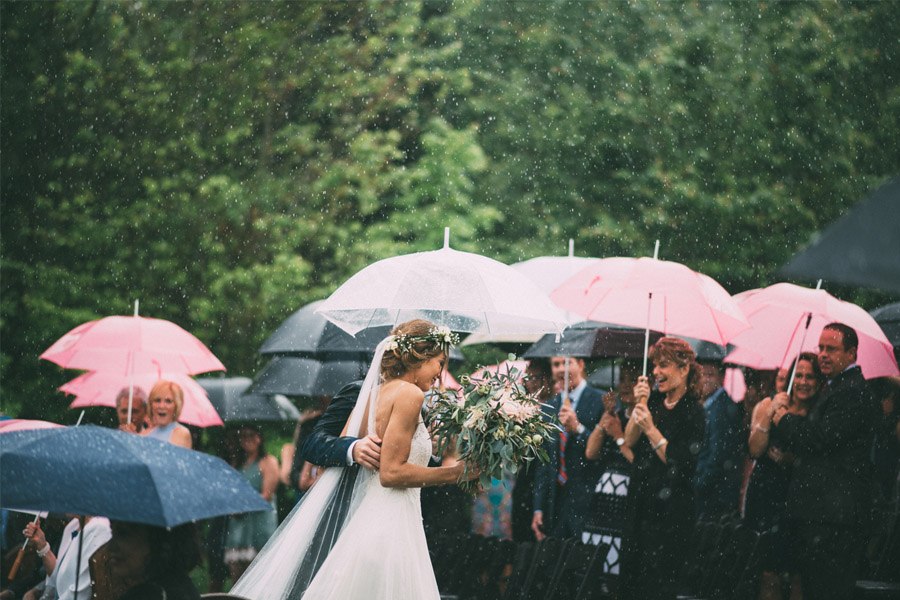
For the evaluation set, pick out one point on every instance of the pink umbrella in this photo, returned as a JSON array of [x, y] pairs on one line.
[[99, 388], [652, 294], [10, 425], [787, 318], [132, 345], [448, 381], [735, 384]]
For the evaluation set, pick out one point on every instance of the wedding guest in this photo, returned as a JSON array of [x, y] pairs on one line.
[[539, 381], [618, 404], [829, 498], [717, 482], [64, 568], [153, 563], [249, 532], [665, 432], [138, 410], [768, 488], [229, 450], [760, 384], [886, 447], [293, 466], [606, 444], [564, 486], [781, 380], [166, 401]]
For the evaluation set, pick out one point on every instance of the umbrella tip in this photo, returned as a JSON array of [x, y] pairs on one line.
[[446, 237], [136, 304], [819, 285], [571, 247], [656, 250]]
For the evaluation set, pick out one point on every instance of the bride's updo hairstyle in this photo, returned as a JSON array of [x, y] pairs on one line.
[[679, 352], [414, 343]]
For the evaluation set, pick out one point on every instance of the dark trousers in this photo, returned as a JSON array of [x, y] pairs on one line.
[[829, 559], [570, 512]]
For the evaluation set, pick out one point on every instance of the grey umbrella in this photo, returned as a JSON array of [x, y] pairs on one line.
[[300, 376], [228, 395], [309, 335], [592, 339], [860, 248], [708, 351], [888, 317]]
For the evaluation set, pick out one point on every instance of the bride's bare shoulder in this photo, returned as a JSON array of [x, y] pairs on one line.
[[401, 393]]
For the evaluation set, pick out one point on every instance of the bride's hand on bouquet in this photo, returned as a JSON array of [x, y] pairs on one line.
[[464, 471]]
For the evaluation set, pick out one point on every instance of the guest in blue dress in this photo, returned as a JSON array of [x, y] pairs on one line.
[[166, 402]]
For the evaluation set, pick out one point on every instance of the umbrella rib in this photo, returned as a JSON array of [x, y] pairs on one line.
[[715, 319], [787, 348]]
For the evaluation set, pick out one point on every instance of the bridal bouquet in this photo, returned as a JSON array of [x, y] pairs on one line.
[[495, 425]]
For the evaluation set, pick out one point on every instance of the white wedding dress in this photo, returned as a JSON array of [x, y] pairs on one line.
[[350, 537], [382, 553]]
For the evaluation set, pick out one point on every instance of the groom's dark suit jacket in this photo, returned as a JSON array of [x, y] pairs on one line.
[[565, 508], [324, 446]]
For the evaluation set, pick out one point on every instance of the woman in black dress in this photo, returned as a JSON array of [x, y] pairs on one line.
[[665, 432], [768, 488]]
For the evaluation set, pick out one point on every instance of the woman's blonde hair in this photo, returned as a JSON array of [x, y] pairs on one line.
[[161, 387], [418, 344]]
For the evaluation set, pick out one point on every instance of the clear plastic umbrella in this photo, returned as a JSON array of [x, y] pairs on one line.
[[463, 291]]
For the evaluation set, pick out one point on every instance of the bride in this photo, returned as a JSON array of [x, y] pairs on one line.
[[358, 533]]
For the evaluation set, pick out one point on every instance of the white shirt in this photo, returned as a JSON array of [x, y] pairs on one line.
[[96, 533]]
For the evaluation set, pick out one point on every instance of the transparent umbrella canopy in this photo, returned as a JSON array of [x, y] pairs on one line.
[[464, 291]]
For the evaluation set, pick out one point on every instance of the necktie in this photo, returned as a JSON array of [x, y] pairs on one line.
[[561, 475]]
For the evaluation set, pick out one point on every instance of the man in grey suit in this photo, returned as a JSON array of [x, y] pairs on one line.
[[564, 487]]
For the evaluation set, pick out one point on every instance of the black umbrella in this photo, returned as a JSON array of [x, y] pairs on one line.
[[888, 317], [300, 376], [606, 377], [860, 248], [708, 351], [228, 395], [591, 339], [310, 335]]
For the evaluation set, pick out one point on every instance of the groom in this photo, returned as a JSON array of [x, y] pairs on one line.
[[327, 448]]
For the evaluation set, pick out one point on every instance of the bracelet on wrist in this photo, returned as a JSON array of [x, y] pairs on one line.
[[662, 442], [761, 428], [43, 551]]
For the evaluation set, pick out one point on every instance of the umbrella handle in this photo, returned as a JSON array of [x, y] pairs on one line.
[[802, 341], [18, 563], [647, 330]]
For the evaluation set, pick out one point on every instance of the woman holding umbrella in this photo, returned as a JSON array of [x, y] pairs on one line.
[[665, 432], [166, 402], [768, 488]]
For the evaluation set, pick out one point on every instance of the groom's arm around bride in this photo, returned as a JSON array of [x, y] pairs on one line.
[[327, 448]]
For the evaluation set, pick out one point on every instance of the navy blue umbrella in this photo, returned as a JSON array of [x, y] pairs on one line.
[[92, 470]]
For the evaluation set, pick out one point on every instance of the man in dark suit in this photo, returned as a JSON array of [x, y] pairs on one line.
[[327, 448], [830, 493], [717, 481], [563, 488]]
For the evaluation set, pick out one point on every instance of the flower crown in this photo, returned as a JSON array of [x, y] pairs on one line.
[[439, 335]]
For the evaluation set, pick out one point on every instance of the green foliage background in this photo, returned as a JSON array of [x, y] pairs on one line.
[[228, 162]]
